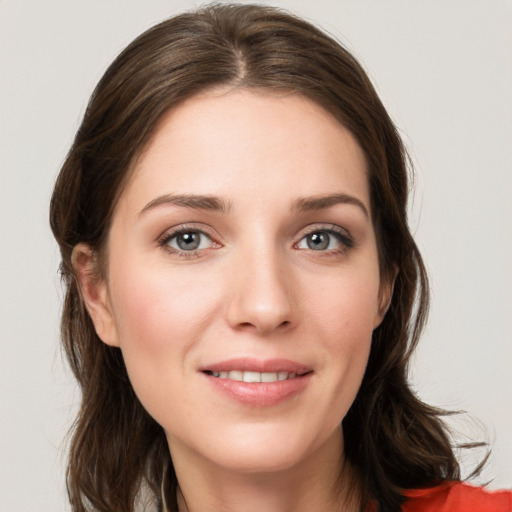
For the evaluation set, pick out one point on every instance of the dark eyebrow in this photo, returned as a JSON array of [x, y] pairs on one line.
[[320, 202], [198, 202]]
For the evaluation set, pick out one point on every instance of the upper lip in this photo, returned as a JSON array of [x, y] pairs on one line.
[[257, 365]]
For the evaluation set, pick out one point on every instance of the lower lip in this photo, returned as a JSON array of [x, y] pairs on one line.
[[260, 394]]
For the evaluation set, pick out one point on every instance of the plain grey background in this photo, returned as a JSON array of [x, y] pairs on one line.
[[444, 70]]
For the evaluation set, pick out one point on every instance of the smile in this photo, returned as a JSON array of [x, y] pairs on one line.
[[249, 376], [258, 383]]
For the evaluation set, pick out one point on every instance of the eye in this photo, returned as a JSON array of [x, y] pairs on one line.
[[325, 240], [187, 241]]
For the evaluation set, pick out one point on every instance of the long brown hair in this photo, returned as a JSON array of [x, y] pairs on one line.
[[392, 439]]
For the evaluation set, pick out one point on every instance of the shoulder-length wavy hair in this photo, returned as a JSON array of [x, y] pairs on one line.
[[393, 439]]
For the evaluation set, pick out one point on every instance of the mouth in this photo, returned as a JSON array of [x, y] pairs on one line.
[[258, 382], [251, 376]]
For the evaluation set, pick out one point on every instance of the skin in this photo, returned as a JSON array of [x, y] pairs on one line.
[[254, 287]]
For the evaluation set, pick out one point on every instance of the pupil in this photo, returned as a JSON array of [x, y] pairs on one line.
[[318, 241], [188, 241]]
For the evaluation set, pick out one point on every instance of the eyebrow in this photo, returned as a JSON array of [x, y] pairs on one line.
[[195, 201], [214, 203], [326, 201]]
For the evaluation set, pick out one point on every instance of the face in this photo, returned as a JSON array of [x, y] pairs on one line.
[[242, 282]]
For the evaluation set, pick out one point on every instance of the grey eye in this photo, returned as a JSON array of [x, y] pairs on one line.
[[190, 241], [321, 241], [318, 241]]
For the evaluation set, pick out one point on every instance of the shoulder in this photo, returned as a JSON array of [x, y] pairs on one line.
[[457, 497]]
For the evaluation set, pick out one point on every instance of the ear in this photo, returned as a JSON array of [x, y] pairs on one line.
[[94, 292], [386, 288]]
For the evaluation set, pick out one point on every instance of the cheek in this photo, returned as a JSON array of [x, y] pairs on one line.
[[161, 307], [345, 316], [160, 317], [348, 306]]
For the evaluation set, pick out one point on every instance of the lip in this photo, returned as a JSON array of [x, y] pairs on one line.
[[257, 365], [259, 394]]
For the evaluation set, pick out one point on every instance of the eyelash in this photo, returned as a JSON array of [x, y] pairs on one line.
[[343, 237], [164, 241]]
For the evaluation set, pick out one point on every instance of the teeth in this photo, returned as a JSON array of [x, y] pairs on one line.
[[254, 376], [235, 375], [268, 377]]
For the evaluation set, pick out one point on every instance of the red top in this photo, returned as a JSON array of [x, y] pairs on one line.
[[455, 497]]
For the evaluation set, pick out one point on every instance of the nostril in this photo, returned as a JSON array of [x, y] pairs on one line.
[[263, 327]]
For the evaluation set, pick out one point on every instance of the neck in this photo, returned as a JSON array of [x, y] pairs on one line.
[[323, 481]]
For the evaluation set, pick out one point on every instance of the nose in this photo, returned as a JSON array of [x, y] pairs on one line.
[[261, 295]]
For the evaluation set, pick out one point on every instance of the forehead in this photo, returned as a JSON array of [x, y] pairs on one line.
[[243, 144]]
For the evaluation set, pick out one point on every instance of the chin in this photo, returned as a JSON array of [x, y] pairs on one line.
[[262, 461], [267, 452]]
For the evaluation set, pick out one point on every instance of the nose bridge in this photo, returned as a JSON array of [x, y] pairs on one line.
[[261, 295]]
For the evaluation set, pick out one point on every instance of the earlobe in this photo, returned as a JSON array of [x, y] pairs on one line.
[[94, 292]]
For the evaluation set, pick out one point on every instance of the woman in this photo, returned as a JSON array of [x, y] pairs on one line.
[[241, 281]]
